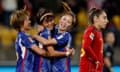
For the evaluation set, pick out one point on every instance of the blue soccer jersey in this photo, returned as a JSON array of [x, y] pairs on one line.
[[25, 55], [42, 64], [62, 64]]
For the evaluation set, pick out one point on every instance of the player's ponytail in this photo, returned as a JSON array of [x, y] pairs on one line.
[[68, 11], [94, 12]]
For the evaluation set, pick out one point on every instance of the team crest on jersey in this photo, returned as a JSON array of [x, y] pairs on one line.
[[91, 36]]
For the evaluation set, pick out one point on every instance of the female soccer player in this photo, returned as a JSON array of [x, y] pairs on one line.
[[45, 20], [91, 59], [25, 45], [62, 41]]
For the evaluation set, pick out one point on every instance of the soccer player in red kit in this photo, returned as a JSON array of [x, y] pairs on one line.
[[91, 58]]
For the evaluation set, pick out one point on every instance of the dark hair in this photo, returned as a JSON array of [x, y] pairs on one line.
[[17, 18], [107, 32], [44, 14], [94, 12]]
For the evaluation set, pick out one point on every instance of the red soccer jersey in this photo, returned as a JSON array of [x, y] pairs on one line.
[[92, 46]]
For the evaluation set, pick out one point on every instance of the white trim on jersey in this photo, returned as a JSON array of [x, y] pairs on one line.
[[23, 49], [61, 36]]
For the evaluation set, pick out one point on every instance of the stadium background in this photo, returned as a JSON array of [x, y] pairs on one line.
[[79, 7]]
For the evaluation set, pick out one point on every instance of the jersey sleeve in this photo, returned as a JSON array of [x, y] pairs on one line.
[[87, 44], [27, 41]]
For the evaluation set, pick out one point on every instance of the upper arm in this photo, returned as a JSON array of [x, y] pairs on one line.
[[39, 51], [28, 41], [88, 39]]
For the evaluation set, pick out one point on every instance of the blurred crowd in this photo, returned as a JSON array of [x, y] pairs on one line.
[[79, 7]]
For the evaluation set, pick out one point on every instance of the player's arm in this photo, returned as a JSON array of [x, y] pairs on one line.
[[52, 52], [87, 42], [38, 50], [29, 43], [45, 41]]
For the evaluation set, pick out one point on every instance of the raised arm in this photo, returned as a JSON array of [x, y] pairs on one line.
[[45, 41]]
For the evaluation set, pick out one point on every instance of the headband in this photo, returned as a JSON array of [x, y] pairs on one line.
[[45, 15]]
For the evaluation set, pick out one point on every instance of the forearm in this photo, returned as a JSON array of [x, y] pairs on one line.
[[45, 41], [91, 54], [57, 54], [53, 52], [39, 51], [41, 39], [87, 46]]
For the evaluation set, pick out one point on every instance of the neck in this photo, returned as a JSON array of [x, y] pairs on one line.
[[96, 26], [60, 31], [22, 29]]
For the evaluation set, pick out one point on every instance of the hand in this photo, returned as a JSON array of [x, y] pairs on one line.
[[69, 52], [72, 51], [97, 64]]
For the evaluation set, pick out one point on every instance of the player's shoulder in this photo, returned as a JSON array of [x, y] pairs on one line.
[[64, 35], [23, 35], [45, 32], [89, 28], [67, 33]]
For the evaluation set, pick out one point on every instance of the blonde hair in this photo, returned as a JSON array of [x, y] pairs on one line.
[[17, 18], [68, 11]]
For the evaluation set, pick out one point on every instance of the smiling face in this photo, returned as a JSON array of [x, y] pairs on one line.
[[49, 23], [65, 22]]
